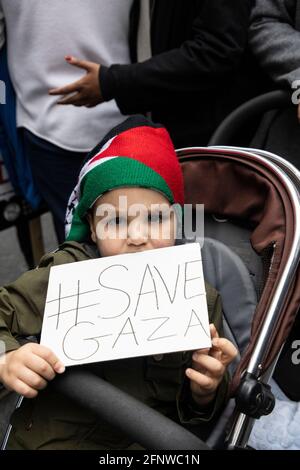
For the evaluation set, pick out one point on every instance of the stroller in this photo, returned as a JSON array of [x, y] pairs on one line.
[[251, 253], [258, 202]]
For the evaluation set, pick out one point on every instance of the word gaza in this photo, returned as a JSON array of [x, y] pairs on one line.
[[125, 306]]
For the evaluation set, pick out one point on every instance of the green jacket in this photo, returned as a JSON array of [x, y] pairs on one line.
[[52, 421]]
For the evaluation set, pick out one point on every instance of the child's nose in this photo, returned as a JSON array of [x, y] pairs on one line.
[[137, 233]]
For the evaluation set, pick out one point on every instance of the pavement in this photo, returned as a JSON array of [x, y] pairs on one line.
[[12, 262]]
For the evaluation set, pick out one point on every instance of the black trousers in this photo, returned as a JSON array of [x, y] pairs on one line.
[[55, 172]]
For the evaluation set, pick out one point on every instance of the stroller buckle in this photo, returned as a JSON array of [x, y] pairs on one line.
[[254, 398]]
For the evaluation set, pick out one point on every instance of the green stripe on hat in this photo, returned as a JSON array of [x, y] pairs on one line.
[[112, 174]]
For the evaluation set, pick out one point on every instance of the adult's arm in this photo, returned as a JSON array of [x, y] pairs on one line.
[[274, 40], [198, 65]]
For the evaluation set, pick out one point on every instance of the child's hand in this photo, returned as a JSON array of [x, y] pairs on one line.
[[84, 92], [27, 369], [209, 366]]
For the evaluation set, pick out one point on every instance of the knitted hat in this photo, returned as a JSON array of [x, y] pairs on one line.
[[135, 153]]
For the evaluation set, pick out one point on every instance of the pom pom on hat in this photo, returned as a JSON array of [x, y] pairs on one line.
[[137, 152]]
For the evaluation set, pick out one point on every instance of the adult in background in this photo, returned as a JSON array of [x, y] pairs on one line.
[[274, 39], [39, 34], [187, 70]]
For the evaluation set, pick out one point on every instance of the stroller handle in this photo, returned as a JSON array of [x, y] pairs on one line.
[[241, 116], [138, 421]]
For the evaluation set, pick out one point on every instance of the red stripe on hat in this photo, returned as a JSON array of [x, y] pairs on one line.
[[153, 147]]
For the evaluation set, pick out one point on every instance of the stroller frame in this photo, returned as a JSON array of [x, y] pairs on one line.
[[290, 178]]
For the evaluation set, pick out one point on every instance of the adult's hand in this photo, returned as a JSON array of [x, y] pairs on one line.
[[83, 92], [298, 112]]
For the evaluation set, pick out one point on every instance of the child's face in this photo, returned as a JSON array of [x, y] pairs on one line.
[[129, 220]]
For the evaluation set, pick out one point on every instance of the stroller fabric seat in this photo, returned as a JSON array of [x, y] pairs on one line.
[[281, 429], [225, 271]]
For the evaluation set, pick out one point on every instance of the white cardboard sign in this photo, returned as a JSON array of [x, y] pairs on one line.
[[127, 305]]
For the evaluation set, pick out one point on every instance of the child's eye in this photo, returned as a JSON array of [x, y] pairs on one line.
[[117, 221], [157, 218]]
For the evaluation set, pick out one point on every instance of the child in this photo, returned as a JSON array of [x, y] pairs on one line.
[[135, 160]]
